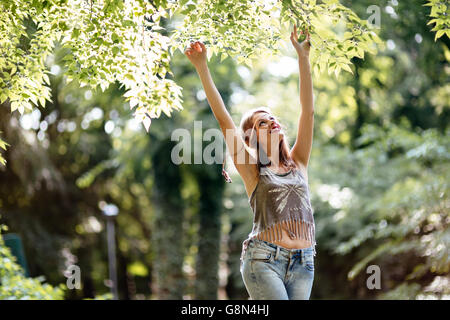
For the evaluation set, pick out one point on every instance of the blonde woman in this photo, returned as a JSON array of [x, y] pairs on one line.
[[277, 260]]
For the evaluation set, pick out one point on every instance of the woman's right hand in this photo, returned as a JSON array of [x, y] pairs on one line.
[[303, 47], [196, 53]]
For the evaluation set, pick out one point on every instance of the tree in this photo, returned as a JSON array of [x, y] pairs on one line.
[[108, 41], [168, 235], [211, 186]]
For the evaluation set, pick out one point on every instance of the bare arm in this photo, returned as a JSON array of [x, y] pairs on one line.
[[301, 150], [214, 98], [233, 139]]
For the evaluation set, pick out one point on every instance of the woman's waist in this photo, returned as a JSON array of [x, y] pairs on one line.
[[270, 247], [289, 243]]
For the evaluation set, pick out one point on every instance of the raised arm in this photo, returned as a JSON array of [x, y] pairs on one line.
[[197, 55], [302, 148]]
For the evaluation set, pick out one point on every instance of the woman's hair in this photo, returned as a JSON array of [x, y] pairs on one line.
[[248, 132]]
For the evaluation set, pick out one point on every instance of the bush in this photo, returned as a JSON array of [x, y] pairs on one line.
[[15, 286]]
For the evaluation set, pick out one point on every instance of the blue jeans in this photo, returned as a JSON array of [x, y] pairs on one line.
[[272, 272]]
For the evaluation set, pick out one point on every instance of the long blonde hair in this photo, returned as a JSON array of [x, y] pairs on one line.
[[249, 137]]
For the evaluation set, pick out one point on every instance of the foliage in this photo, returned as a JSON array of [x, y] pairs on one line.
[[440, 14], [246, 30], [38, 188], [3, 145], [15, 286], [401, 188], [106, 41]]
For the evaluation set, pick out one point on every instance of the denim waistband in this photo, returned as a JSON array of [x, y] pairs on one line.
[[271, 246]]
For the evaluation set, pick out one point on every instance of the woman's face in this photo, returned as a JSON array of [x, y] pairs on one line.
[[268, 129]]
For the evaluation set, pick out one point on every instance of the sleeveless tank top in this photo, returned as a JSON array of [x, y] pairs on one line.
[[281, 201]]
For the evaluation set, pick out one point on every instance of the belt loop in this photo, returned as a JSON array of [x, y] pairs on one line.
[[278, 251]]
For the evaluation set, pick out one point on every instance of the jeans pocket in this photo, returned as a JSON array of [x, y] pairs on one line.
[[259, 260], [261, 255], [309, 262]]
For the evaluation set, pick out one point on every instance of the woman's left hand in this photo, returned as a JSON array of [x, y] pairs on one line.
[[303, 47]]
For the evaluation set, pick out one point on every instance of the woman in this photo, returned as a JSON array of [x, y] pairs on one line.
[[277, 259]]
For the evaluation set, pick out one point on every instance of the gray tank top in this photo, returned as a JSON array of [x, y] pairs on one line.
[[281, 201]]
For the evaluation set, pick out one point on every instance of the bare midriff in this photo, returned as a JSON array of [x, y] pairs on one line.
[[287, 242]]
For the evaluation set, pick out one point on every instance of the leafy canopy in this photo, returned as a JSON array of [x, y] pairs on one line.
[[114, 40], [110, 40]]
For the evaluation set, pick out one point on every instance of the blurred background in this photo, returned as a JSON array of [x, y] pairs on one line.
[[379, 179]]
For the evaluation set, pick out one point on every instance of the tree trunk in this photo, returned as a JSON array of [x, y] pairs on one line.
[[361, 113], [168, 235], [211, 187]]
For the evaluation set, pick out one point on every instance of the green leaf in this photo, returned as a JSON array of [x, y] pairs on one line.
[[75, 33], [346, 67], [114, 37], [46, 78], [337, 71], [439, 34], [3, 144]]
